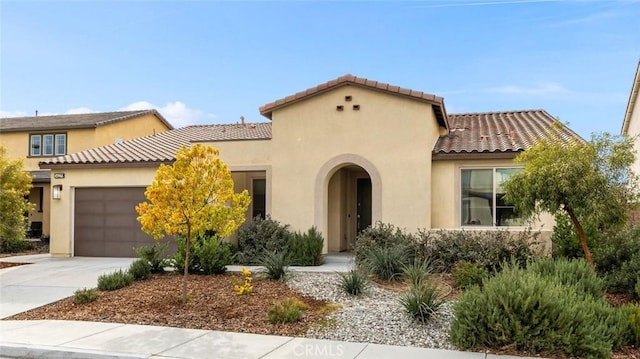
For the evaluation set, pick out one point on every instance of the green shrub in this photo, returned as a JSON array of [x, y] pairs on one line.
[[352, 282], [114, 280], [632, 313], [416, 273], [490, 249], [177, 261], [382, 236], [287, 311], [520, 309], [564, 238], [84, 296], [275, 265], [422, 302], [214, 255], [261, 236], [140, 269], [386, 263], [305, 249], [617, 259], [467, 274], [155, 255], [15, 246], [575, 273]]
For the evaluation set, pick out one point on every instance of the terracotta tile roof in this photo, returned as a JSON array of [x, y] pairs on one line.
[[350, 80], [495, 132], [159, 148], [64, 122]]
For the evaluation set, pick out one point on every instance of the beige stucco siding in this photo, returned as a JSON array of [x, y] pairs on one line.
[[132, 128], [634, 130], [394, 134], [243, 153]]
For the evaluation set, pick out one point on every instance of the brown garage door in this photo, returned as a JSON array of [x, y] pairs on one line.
[[105, 222]]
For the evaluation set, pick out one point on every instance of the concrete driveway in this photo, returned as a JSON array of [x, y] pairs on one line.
[[49, 279]]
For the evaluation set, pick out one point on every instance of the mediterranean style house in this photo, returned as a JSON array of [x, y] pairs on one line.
[[38, 138], [339, 156]]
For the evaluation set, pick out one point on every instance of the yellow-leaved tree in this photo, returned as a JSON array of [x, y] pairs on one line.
[[193, 195], [15, 184]]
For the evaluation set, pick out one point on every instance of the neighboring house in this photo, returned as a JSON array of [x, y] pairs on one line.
[[39, 138], [339, 156], [631, 122]]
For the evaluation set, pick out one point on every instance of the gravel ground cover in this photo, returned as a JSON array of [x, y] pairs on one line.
[[373, 317]]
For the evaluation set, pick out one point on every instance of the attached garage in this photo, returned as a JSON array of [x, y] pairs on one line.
[[105, 223]]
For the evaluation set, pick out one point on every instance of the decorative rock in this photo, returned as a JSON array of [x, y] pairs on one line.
[[376, 316]]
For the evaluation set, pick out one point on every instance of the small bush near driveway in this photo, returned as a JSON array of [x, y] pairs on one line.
[[114, 280]]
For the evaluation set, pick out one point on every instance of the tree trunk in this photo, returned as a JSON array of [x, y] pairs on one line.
[[581, 236], [186, 266]]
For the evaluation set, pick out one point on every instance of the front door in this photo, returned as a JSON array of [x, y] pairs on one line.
[[363, 210]]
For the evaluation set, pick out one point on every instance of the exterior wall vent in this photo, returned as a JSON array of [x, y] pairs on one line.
[[339, 108], [356, 107], [347, 98]]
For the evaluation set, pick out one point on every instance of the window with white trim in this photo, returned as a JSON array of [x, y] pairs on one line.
[[47, 144], [483, 201]]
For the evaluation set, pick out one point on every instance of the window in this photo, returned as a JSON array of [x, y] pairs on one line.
[[483, 201], [34, 144], [259, 200], [61, 144], [48, 144]]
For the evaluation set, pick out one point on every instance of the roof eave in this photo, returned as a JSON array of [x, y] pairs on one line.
[[633, 96], [129, 164], [485, 155], [437, 102], [52, 128]]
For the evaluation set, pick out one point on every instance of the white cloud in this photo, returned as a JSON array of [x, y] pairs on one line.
[[544, 89], [4, 114], [140, 105], [177, 113], [79, 110]]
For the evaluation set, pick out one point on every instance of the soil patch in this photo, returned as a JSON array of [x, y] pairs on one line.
[[10, 264], [212, 305]]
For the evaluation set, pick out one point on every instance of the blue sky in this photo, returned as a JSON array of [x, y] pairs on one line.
[[212, 62]]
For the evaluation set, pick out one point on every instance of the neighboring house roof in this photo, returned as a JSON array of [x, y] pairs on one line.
[[161, 147], [633, 98], [66, 122], [350, 80], [499, 133]]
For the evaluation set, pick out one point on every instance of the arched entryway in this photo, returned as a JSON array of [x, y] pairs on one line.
[[348, 196]]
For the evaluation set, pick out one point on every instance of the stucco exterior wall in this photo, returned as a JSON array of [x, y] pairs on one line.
[[634, 130], [132, 128], [243, 153], [395, 135]]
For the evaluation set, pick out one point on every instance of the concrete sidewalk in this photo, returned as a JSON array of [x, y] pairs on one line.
[[69, 339]]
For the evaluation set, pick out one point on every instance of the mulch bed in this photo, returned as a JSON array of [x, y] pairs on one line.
[[10, 264], [212, 305]]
